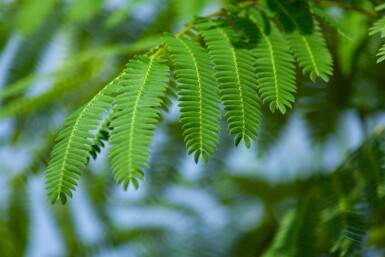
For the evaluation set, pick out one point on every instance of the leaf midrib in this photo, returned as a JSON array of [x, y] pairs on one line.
[[239, 85], [74, 129], [69, 144], [274, 66], [138, 97], [200, 94]]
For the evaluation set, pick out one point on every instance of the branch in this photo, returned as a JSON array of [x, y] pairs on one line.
[[348, 7], [369, 13], [191, 25]]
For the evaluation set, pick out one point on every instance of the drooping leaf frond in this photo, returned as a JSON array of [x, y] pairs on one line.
[[321, 112], [344, 224], [347, 231], [197, 96], [305, 38], [135, 114], [338, 213], [236, 77], [379, 27], [381, 54], [228, 59], [331, 21], [74, 143], [274, 65], [297, 234], [368, 160]]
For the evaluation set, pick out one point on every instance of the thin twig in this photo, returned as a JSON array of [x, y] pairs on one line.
[[349, 7], [187, 29], [190, 26], [251, 3]]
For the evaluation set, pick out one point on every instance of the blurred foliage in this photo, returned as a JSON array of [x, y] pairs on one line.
[[55, 55]]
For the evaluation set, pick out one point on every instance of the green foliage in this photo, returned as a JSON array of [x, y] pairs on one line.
[[236, 79], [74, 143], [345, 224], [304, 38], [379, 27], [26, 18], [226, 58], [298, 231], [135, 115], [195, 75], [324, 15], [228, 72], [274, 64], [332, 212], [15, 227]]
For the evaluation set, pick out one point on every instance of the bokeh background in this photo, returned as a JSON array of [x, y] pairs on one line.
[[55, 55]]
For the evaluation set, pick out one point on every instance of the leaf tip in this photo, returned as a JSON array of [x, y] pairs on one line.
[[63, 198], [237, 139], [246, 141]]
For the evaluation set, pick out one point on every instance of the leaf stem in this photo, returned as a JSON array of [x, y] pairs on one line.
[[191, 25], [348, 7], [325, 3]]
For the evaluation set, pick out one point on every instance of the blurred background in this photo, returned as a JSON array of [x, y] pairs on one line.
[[55, 55]]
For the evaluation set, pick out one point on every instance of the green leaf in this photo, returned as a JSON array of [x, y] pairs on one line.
[[198, 98], [379, 27], [305, 38], [323, 14], [274, 64], [236, 78], [297, 234], [381, 54], [135, 114], [71, 153], [344, 224]]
